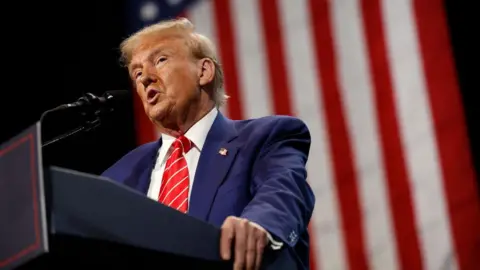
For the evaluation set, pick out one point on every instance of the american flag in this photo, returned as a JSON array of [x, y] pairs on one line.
[[375, 82]]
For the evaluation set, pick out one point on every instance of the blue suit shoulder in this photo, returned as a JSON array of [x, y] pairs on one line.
[[270, 129]]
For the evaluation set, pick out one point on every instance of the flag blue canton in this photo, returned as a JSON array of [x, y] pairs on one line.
[[143, 13]]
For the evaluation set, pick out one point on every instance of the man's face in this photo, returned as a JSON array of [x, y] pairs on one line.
[[165, 76]]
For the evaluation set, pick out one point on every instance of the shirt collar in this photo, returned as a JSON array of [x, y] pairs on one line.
[[197, 134]]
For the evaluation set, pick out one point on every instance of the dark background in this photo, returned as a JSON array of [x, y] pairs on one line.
[[52, 54]]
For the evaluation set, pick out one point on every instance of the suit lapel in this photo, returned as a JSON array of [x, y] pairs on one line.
[[216, 157]]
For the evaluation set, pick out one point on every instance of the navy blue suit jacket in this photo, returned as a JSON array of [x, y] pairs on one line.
[[262, 178]]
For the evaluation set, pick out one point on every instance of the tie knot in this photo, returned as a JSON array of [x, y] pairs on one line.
[[183, 143]]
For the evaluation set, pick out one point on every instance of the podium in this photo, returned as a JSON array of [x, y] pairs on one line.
[[52, 216]]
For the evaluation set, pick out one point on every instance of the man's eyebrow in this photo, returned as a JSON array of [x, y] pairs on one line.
[[134, 66], [155, 52]]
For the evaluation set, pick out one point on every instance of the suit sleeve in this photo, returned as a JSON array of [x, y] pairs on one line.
[[282, 199]]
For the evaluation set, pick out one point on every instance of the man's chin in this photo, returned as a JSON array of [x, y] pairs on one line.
[[159, 112], [162, 116], [159, 117], [165, 126]]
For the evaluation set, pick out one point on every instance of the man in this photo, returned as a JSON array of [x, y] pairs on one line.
[[247, 177]]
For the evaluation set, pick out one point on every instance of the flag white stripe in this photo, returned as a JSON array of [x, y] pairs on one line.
[[307, 104], [358, 96], [418, 136], [201, 15], [252, 69]]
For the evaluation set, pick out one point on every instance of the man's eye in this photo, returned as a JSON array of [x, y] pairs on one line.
[[137, 74], [161, 59]]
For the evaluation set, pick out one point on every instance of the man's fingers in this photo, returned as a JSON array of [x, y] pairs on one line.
[[226, 238], [251, 248], [250, 242], [261, 243], [240, 243]]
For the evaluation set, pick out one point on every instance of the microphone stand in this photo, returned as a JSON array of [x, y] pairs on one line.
[[90, 114], [87, 126]]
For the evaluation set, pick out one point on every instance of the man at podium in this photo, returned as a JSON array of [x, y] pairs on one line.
[[247, 177]]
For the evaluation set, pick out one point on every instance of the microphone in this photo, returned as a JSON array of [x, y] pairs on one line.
[[90, 103], [109, 100], [90, 107]]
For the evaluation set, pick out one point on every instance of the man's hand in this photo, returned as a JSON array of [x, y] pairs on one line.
[[250, 241]]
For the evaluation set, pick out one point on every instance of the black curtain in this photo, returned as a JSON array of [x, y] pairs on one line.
[[54, 54]]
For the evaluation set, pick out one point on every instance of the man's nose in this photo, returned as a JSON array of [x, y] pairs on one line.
[[148, 76]]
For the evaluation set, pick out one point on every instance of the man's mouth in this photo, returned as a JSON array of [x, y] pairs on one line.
[[152, 95]]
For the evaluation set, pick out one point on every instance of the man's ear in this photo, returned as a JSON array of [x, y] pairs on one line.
[[206, 71]]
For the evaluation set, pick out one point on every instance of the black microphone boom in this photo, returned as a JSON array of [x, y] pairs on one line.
[[91, 108]]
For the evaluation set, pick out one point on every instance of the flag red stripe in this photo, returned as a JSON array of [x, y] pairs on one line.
[[341, 149], [450, 129], [275, 57], [182, 14], [314, 265], [143, 125], [228, 52], [399, 191]]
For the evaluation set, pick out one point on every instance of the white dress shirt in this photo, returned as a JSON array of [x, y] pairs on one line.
[[197, 135]]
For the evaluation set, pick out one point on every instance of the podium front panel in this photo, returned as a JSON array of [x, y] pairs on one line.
[[89, 206], [23, 229]]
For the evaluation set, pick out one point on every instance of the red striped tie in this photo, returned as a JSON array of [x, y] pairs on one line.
[[175, 181]]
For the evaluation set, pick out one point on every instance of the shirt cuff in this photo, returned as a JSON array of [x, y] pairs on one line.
[[274, 244]]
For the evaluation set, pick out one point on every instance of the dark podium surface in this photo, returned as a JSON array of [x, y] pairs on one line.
[[53, 216]]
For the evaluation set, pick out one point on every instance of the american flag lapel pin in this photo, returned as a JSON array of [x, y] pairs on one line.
[[223, 151]]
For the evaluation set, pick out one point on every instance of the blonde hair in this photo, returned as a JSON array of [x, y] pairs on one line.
[[200, 47]]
